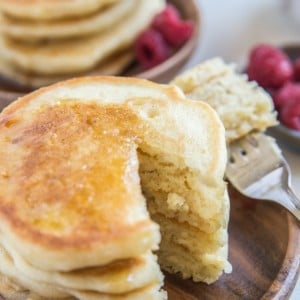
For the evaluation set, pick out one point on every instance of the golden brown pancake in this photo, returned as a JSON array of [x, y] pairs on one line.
[[113, 65], [65, 203], [79, 54], [51, 9], [32, 30], [92, 157]]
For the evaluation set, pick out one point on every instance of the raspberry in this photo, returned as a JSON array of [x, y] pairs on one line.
[[169, 13], [269, 66], [297, 69], [175, 30], [290, 115], [177, 34], [151, 49], [286, 95], [262, 51]]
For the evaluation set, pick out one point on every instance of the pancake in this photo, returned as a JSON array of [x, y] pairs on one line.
[[8, 268], [99, 154], [80, 54], [51, 9], [61, 221], [100, 20], [57, 291], [151, 292], [243, 106], [13, 291], [111, 279], [9, 290], [113, 65]]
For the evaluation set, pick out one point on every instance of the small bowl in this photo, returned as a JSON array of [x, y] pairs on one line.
[[288, 136], [167, 70]]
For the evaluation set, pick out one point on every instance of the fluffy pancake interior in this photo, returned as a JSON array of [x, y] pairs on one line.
[[193, 222]]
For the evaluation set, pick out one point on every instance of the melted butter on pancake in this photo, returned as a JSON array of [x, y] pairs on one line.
[[79, 171]]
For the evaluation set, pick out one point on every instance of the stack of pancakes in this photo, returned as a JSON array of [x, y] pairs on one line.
[[88, 168], [45, 41]]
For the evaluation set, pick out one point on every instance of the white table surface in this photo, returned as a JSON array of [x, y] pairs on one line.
[[230, 28]]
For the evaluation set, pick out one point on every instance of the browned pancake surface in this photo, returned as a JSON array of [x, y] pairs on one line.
[[69, 174]]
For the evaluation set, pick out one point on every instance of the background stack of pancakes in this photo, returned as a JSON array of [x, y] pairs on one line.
[[42, 42]]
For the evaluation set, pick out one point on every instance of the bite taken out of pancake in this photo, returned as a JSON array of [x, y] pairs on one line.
[[98, 170]]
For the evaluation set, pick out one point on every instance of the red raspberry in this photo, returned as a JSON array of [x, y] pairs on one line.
[[269, 66], [169, 13], [151, 49], [175, 31], [297, 69], [260, 52], [287, 95], [290, 115]]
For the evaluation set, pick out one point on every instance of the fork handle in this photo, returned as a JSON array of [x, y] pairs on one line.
[[288, 199]]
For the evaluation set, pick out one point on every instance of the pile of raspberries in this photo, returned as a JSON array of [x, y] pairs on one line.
[[273, 70], [168, 31]]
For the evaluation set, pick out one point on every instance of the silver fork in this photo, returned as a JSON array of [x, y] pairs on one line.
[[257, 169]]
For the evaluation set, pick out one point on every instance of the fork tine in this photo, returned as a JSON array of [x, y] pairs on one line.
[[240, 149], [234, 154]]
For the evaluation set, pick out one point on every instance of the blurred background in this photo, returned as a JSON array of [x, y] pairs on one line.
[[230, 28]]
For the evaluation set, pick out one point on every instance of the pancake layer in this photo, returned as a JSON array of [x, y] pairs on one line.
[[112, 65], [25, 30], [51, 9]]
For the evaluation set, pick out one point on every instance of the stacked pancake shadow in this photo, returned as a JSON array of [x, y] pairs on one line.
[[42, 42]]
